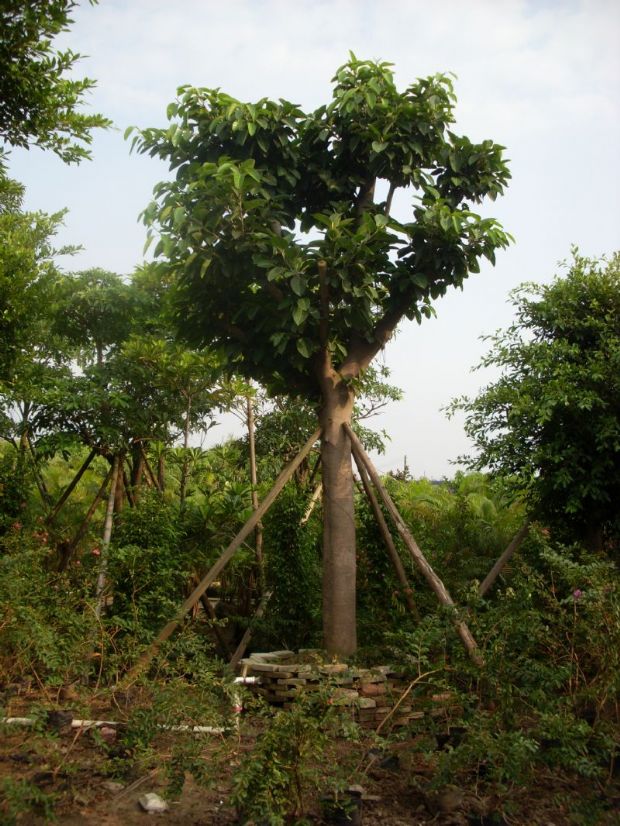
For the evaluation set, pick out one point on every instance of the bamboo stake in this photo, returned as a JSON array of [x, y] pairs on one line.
[[431, 577], [71, 487], [495, 571], [387, 537], [250, 630], [224, 559], [107, 535]]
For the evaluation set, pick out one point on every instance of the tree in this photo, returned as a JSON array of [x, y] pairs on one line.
[[95, 312], [551, 422], [39, 104], [27, 273], [287, 257]]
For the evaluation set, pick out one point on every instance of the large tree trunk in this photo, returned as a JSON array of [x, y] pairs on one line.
[[339, 614]]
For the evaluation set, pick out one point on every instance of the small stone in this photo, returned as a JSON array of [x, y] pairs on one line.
[[108, 733], [334, 668], [344, 697], [372, 689], [113, 787], [153, 803], [367, 702]]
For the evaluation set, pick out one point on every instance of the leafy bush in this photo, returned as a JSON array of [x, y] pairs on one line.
[[47, 622], [147, 569], [293, 573], [545, 697], [274, 780]]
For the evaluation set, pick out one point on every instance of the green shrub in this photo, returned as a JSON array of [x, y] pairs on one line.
[[47, 621]]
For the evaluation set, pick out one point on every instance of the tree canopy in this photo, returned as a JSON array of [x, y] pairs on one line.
[[27, 275], [552, 420], [264, 191], [40, 105]]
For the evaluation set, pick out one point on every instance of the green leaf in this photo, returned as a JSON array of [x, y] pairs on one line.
[[298, 284], [379, 146], [304, 348], [300, 313]]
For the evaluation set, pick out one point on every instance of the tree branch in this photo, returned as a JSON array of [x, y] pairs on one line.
[[388, 203], [361, 352]]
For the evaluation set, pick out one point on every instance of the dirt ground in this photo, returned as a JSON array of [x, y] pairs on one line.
[[73, 768]]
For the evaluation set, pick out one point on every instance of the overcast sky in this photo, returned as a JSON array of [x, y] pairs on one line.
[[540, 77]]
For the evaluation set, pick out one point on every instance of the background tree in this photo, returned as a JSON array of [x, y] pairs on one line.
[[279, 234], [40, 105], [551, 422], [27, 275]]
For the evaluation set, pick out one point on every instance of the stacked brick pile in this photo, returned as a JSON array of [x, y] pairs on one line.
[[374, 695]]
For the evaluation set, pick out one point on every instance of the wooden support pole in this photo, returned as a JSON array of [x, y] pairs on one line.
[[258, 531], [224, 559], [387, 537], [250, 629], [431, 577], [71, 487], [495, 571]]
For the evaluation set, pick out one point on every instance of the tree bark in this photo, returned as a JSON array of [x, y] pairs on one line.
[[137, 469], [339, 562]]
